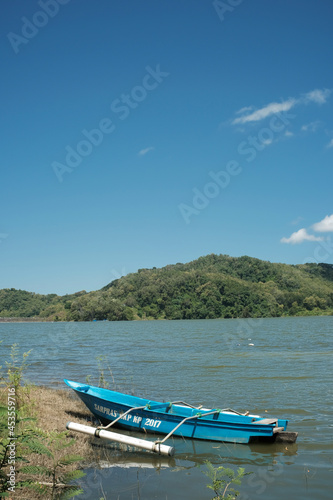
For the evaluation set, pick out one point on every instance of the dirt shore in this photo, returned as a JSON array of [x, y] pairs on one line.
[[55, 407]]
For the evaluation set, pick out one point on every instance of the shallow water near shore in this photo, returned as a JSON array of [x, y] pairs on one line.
[[287, 372]]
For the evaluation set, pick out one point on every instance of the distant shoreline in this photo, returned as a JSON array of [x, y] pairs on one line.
[[41, 320], [24, 320]]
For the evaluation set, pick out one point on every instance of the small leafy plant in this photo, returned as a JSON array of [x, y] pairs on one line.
[[15, 369], [221, 480], [102, 382], [53, 481]]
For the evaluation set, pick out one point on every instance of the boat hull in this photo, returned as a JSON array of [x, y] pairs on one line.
[[162, 418]]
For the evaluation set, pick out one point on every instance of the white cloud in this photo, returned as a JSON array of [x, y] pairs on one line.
[[319, 96], [297, 220], [311, 127], [270, 109], [330, 144], [288, 133], [246, 109], [300, 236], [325, 225], [143, 152]]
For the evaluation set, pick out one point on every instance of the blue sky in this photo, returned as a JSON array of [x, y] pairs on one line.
[[140, 134]]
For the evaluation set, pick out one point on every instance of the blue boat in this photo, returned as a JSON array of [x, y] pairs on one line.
[[178, 418]]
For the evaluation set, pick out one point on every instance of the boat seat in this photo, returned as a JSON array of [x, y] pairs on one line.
[[158, 406], [265, 421]]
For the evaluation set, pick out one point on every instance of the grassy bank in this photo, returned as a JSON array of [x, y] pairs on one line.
[[39, 458]]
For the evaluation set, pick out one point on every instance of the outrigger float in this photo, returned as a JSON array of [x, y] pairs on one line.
[[172, 419]]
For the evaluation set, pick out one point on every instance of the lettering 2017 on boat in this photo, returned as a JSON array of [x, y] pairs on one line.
[[152, 423]]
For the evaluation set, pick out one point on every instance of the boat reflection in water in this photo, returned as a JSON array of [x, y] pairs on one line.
[[192, 453]]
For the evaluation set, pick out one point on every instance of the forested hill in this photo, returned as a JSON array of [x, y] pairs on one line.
[[214, 286]]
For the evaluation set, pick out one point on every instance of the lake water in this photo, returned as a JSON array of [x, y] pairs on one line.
[[287, 372]]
